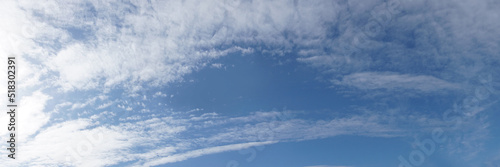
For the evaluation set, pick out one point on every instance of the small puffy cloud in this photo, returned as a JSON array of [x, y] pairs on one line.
[[159, 94], [216, 65]]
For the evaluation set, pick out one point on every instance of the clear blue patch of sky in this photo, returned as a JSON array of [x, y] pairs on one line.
[[255, 83]]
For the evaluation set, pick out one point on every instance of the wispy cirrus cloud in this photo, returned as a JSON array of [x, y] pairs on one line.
[[204, 151], [87, 141], [396, 82]]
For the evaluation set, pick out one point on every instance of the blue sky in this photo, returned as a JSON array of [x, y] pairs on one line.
[[241, 83]]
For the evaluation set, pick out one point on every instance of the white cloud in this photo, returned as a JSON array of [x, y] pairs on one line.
[[132, 43], [82, 143], [31, 114], [454, 48], [159, 94], [128, 44], [201, 152], [105, 105], [216, 65], [204, 116], [85, 142], [257, 116], [395, 82], [29, 74], [296, 129], [89, 101], [72, 143]]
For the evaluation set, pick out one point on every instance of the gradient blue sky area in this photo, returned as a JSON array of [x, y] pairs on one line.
[[241, 83]]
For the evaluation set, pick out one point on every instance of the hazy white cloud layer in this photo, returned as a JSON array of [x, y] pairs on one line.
[[101, 46]]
